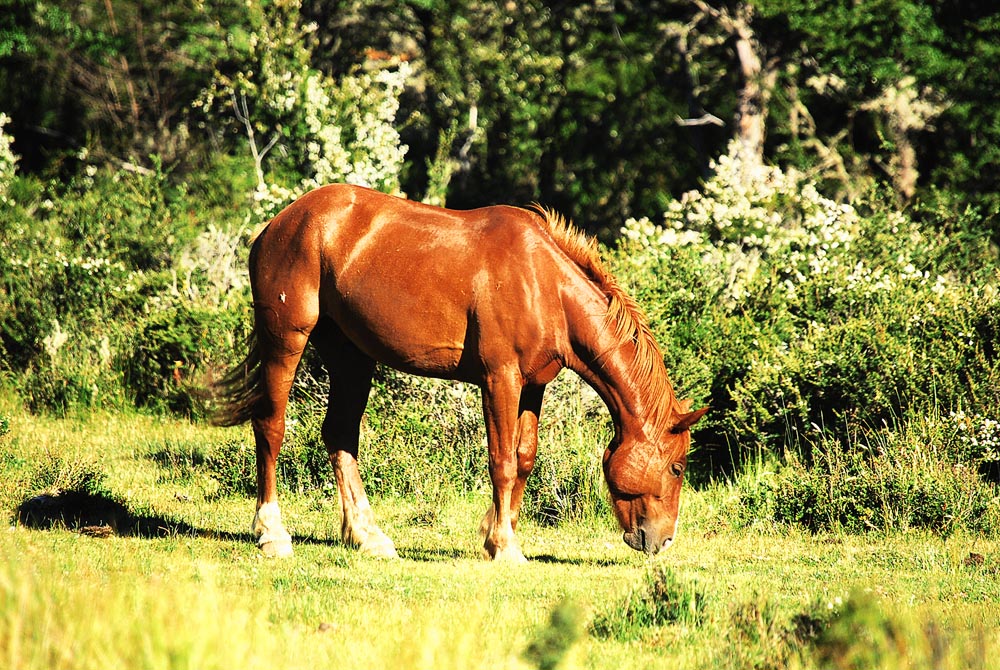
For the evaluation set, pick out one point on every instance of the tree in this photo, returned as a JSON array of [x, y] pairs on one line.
[[872, 79], [570, 104], [757, 74], [114, 77]]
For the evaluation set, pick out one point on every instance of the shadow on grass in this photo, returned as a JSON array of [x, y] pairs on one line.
[[443, 554], [101, 515], [564, 560], [439, 554]]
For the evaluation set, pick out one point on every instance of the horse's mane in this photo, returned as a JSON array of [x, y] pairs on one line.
[[624, 316]]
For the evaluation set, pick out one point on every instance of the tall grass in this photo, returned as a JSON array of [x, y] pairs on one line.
[[46, 622], [928, 472]]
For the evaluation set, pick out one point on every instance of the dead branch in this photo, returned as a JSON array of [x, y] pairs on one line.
[[243, 116]]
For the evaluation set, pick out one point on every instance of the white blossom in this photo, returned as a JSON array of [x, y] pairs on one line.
[[757, 222], [8, 159]]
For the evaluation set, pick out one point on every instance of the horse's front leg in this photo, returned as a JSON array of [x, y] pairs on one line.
[[501, 405], [526, 438]]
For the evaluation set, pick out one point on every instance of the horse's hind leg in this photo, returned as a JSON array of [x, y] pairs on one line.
[[279, 359], [350, 383]]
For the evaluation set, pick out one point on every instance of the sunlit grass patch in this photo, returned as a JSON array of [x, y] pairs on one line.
[[725, 595]]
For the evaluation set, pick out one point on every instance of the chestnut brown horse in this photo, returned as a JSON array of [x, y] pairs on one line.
[[500, 297]]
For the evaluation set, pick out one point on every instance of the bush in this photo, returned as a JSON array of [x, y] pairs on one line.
[[419, 437], [303, 466], [424, 436], [107, 292], [77, 259], [42, 285], [792, 313], [164, 366], [73, 370]]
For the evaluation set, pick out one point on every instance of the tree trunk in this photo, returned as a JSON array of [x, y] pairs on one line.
[[751, 108], [758, 79]]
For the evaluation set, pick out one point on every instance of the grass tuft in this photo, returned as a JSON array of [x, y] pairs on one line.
[[662, 599], [554, 640]]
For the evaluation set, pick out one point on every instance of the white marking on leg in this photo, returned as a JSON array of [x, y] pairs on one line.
[[272, 537]]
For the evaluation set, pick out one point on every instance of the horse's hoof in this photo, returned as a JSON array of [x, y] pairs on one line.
[[508, 555], [379, 545], [277, 548]]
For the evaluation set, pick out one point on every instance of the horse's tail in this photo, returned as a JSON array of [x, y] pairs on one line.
[[239, 394]]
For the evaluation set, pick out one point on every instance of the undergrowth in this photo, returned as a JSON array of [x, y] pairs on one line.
[[931, 472], [662, 598]]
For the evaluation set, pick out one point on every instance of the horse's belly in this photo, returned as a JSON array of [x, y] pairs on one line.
[[410, 335]]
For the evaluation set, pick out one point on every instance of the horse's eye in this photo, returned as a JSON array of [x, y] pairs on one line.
[[676, 469]]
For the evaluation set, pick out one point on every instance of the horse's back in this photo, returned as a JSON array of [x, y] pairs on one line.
[[421, 288]]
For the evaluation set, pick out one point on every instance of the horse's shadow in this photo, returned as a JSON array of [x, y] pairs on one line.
[[99, 514], [436, 555]]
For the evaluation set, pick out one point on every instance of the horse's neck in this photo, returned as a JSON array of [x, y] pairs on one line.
[[607, 365]]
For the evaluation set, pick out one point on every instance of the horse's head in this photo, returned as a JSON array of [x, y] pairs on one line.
[[645, 483]]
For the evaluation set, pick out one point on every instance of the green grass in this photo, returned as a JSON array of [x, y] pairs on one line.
[[198, 595]]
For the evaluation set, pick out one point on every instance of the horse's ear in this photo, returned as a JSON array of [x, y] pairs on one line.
[[688, 419], [684, 406]]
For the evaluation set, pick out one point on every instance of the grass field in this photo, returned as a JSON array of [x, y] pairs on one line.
[[180, 585]]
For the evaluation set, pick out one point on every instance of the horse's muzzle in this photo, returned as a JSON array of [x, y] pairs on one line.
[[638, 540]]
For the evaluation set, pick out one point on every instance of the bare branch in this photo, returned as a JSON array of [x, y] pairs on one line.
[[705, 119], [243, 116]]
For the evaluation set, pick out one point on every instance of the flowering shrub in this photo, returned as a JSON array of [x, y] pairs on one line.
[[350, 136], [335, 130], [977, 435], [796, 317], [210, 271], [8, 159], [756, 223], [352, 123]]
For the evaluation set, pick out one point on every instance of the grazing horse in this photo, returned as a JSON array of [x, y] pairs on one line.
[[500, 297]]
